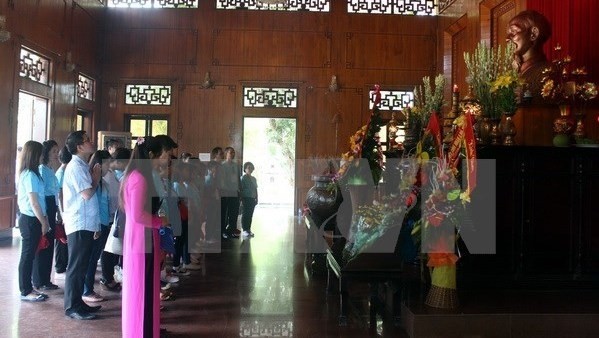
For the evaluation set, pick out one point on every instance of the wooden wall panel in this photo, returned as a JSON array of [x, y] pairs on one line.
[[456, 43], [271, 48], [151, 46], [84, 49], [52, 28], [206, 119], [389, 51], [7, 215], [495, 16]]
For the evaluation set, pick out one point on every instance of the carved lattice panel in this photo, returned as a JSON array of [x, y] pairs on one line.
[[284, 5], [255, 97], [34, 66], [86, 87], [393, 99], [156, 95], [403, 7]]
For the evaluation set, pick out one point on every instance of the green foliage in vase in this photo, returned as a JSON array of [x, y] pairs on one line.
[[485, 66], [427, 99]]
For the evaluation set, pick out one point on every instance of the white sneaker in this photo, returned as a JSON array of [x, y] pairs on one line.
[[246, 234], [181, 271], [168, 278], [118, 274]]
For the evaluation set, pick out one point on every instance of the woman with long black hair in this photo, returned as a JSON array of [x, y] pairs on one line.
[[141, 246], [42, 264], [33, 222]]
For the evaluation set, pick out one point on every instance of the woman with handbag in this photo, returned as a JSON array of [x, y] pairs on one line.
[[113, 250], [141, 245]]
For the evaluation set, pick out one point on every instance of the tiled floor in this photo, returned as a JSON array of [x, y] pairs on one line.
[[253, 288]]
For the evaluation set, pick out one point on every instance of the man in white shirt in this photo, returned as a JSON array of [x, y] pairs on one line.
[[82, 221]]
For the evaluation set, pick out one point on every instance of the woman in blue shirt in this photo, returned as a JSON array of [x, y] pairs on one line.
[[33, 222], [42, 264], [62, 251], [101, 157]]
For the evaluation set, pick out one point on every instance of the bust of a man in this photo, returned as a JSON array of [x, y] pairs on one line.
[[528, 31]]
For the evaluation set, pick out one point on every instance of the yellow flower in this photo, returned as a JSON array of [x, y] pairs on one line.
[[547, 89]]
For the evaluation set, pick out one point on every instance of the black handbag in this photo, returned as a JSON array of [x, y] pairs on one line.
[[119, 221]]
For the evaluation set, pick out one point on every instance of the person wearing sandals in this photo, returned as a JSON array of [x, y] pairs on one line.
[[81, 222], [33, 222], [42, 263]]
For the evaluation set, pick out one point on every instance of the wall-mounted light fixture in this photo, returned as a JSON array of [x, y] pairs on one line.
[[208, 82], [69, 66], [4, 34], [333, 86]]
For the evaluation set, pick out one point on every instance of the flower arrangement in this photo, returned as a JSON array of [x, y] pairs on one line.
[[427, 101], [364, 144], [505, 90], [443, 199], [485, 67], [562, 86], [374, 221]]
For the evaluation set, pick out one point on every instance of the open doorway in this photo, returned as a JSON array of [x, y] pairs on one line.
[[269, 143], [32, 121]]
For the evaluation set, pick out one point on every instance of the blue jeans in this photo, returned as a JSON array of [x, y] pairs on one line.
[[97, 248]]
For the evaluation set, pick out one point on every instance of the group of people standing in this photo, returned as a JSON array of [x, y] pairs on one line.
[[86, 192]]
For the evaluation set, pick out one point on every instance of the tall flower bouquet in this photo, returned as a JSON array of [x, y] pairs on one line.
[[364, 144], [427, 101], [485, 66], [443, 199]]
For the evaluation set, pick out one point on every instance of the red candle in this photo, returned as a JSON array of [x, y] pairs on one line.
[[455, 88]]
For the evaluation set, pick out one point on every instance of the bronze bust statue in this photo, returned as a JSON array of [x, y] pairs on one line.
[[528, 31]]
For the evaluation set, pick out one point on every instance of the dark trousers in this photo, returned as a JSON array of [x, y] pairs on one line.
[[249, 204], [213, 217], [109, 261], [97, 248], [31, 232], [148, 309], [80, 249], [61, 258], [42, 263], [181, 246], [229, 210]]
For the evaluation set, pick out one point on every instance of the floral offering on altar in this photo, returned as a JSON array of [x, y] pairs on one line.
[[490, 69], [564, 86], [364, 144], [505, 89]]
